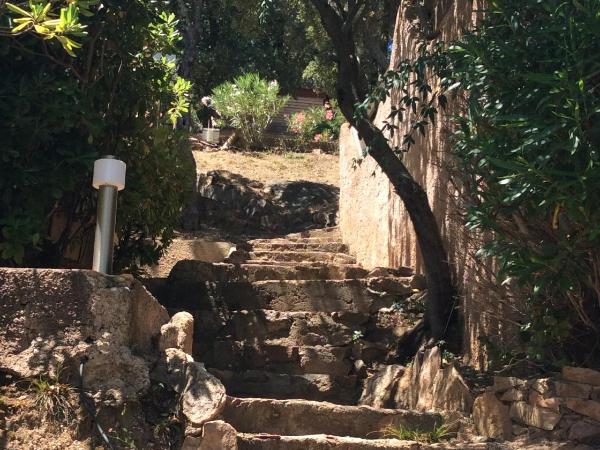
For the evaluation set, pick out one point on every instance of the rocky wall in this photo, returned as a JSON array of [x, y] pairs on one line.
[[373, 221]]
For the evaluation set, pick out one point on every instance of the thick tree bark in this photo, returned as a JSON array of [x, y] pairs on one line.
[[352, 88]]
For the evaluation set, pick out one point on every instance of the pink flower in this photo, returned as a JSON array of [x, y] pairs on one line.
[[318, 137]]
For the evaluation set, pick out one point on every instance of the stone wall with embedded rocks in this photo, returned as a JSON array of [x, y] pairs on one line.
[[373, 220], [563, 407], [137, 367], [236, 204]]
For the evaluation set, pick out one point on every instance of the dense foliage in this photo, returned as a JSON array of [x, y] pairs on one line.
[[527, 156], [249, 104], [281, 40], [79, 81], [528, 148]]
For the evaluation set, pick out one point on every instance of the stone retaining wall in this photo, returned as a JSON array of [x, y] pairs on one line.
[[563, 407]]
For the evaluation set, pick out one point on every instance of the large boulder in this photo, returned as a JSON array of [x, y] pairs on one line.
[[56, 319]]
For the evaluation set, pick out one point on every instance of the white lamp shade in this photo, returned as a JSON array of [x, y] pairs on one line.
[[109, 172]]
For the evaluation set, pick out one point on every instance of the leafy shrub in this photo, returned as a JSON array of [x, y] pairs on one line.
[[312, 126], [528, 152], [249, 104], [526, 155], [58, 113]]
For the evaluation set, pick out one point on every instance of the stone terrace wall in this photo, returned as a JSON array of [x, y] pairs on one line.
[[372, 218]]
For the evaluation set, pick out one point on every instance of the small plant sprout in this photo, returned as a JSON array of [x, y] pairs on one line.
[[357, 335]]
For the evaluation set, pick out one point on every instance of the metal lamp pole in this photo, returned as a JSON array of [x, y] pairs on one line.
[[109, 179]]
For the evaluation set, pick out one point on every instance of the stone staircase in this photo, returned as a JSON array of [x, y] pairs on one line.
[[293, 329]]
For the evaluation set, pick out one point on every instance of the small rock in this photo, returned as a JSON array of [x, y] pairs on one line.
[[588, 408], [171, 369], [450, 392], [581, 375], [403, 397], [378, 388], [513, 395], [389, 285], [218, 435], [542, 385], [553, 403], [573, 390], [204, 395], [491, 417], [432, 362], [178, 333], [502, 384], [534, 416]]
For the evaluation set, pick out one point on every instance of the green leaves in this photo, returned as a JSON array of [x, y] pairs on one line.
[[40, 19], [527, 152], [249, 103], [58, 114]]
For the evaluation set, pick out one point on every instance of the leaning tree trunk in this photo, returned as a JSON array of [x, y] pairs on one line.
[[352, 88]]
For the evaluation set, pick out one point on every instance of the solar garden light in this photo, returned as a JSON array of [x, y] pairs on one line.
[[109, 179]]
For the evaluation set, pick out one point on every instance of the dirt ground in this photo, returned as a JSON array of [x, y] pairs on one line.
[[269, 166]]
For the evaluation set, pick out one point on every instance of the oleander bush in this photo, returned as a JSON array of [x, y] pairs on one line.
[[249, 104]]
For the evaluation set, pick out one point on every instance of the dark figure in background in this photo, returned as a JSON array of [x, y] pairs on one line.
[[207, 113]]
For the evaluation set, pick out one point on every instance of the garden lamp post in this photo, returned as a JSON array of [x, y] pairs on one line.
[[109, 179]]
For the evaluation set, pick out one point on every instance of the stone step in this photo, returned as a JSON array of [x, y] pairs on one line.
[[261, 441], [297, 240], [279, 356], [332, 232], [332, 247], [279, 295], [257, 270], [302, 417], [302, 256], [300, 271], [317, 387], [297, 328]]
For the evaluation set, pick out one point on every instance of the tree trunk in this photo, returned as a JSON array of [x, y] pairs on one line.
[[352, 88]]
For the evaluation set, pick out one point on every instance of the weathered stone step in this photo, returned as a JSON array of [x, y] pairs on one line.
[[318, 387], [302, 417], [279, 295], [332, 232], [256, 270], [332, 247], [299, 240], [279, 356], [299, 328], [248, 441], [302, 256]]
